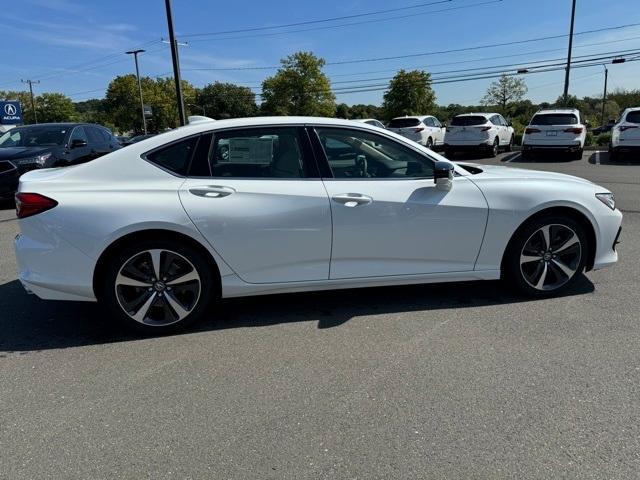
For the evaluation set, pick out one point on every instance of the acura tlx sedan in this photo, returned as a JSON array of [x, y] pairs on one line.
[[160, 230]]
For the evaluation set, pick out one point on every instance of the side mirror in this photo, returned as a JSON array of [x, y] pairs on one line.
[[443, 175], [78, 142], [444, 125]]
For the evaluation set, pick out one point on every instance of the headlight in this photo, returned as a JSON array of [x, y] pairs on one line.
[[38, 160], [608, 199]]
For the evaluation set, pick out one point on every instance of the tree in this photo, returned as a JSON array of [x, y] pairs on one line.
[[299, 88], [55, 107], [504, 92], [409, 93], [365, 111], [343, 111], [226, 100]]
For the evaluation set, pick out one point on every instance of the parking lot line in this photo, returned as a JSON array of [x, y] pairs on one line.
[[517, 155]]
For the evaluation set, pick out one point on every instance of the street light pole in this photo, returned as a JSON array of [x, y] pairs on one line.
[[568, 70], [176, 63], [604, 95], [135, 57], [33, 103]]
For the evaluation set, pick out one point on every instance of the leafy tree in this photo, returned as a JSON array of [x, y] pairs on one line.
[[365, 111], [409, 93], [504, 92], [55, 107], [299, 88], [343, 111], [226, 100]]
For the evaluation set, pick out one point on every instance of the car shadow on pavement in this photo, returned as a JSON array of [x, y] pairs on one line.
[[603, 158], [29, 324], [546, 157]]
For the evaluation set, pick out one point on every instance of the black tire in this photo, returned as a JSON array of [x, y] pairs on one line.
[[614, 156], [577, 155], [510, 146], [495, 148], [522, 276], [429, 144], [162, 318]]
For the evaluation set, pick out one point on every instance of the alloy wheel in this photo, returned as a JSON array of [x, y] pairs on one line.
[[158, 287], [550, 257]]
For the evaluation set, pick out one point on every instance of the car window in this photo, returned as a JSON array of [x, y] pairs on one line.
[[503, 121], [495, 120], [257, 153], [633, 117], [404, 122], [436, 122], [78, 133], [368, 155], [174, 157], [554, 119], [428, 122], [468, 120]]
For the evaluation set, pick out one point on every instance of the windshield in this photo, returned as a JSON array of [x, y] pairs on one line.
[[404, 122], [555, 119], [468, 120], [34, 136]]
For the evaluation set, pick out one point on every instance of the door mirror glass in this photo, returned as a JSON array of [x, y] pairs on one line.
[[443, 175], [78, 142]]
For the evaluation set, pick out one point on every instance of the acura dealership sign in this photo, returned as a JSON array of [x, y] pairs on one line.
[[10, 113]]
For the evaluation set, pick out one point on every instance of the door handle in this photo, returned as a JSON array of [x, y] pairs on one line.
[[212, 191], [352, 199]]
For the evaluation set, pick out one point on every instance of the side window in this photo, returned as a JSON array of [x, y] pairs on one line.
[[496, 120], [436, 122], [358, 154], [428, 122], [258, 153], [504, 121], [174, 157], [95, 137], [78, 134]]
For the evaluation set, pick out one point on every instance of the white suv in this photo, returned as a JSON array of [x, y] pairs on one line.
[[625, 135], [559, 130], [485, 132], [426, 130]]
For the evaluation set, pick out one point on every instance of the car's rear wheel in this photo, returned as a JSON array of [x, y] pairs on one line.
[[546, 256], [577, 155], [495, 148], [510, 146], [613, 155], [158, 287], [429, 144]]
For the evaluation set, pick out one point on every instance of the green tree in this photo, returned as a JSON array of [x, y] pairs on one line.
[[343, 111], [226, 100], [409, 93], [55, 107], [299, 88], [504, 92], [365, 111]]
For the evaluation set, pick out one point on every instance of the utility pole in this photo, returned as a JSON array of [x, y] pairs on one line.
[[568, 70], [135, 57], [604, 95], [33, 102], [176, 63]]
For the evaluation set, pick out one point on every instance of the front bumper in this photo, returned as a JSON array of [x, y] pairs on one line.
[[608, 234]]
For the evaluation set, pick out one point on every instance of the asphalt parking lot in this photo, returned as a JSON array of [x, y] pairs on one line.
[[453, 381]]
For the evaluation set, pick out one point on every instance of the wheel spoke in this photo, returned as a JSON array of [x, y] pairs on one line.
[[188, 277], [179, 309], [563, 268], [524, 258], [546, 234], [155, 260], [543, 277], [141, 314], [569, 243], [130, 282]]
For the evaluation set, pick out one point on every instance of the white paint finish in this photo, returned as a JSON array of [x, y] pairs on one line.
[[474, 135], [626, 134], [409, 227], [556, 136], [269, 230], [428, 127], [287, 222]]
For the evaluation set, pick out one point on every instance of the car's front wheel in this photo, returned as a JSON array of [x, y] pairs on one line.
[[158, 287], [546, 256]]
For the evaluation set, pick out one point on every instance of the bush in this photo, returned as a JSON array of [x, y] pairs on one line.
[[589, 140], [517, 139], [603, 139]]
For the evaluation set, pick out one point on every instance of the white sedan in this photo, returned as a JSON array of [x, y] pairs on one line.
[[160, 230]]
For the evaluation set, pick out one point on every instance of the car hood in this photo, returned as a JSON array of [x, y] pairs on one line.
[[10, 153], [495, 171]]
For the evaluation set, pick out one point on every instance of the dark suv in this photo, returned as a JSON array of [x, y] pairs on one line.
[[49, 145]]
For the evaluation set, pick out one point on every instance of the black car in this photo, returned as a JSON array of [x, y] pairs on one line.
[[137, 138], [49, 145]]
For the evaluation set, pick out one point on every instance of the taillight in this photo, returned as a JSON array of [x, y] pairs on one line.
[[418, 130], [28, 204], [532, 130], [627, 127], [576, 130], [484, 129]]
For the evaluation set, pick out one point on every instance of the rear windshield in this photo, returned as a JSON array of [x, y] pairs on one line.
[[555, 119], [404, 122], [633, 117], [468, 120]]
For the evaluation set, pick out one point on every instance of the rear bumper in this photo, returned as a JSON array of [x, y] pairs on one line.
[[468, 145], [622, 148], [528, 147]]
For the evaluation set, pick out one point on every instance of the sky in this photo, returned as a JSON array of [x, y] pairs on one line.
[[77, 46]]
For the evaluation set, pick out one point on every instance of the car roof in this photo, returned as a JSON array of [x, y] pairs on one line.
[[631, 109], [545, 111], [483, 114], [419, 117]]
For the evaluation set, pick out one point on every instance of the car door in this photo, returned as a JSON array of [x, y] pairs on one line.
[[388, 216], [78, 148], [506, 137], [438, 135], [260, 203], [98, 141]]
